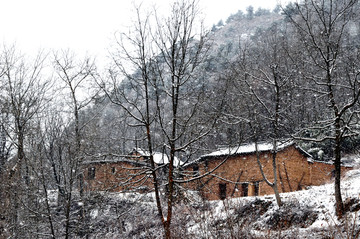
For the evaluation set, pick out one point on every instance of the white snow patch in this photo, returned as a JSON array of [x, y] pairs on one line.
[[53, 197], [94, 213], [159, 158], [250, 148]]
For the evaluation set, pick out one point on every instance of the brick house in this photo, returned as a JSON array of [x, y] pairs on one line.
[[233, 172], [124, 173], [115, 174], [238, 174]]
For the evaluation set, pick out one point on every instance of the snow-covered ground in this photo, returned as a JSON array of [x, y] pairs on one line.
[[308, 214], [305, 214]]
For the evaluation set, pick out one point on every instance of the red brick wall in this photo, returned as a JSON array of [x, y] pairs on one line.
[[294, 172], [125, 177]]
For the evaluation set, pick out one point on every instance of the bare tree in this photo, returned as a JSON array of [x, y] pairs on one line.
[[5, 143], [182, 57], [328, 65], [42, 217], [163, 92], [75, 76], [263, 83], [24, 93], [135, 51]]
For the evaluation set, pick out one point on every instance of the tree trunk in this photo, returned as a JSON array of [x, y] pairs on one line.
[[274, 184], [171, 192], [337, 165]]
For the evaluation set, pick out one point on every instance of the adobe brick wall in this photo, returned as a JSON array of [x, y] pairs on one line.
[[294, 172], [125, 177]]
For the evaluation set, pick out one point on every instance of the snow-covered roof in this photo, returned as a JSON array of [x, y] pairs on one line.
[[113, 159], [249, 148], [159, 158]]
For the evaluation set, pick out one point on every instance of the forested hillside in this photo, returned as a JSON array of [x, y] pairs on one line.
[[173, 87], [243, 56]]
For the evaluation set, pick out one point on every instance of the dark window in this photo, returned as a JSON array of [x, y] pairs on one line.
[[332, 174], [222, 191], [113, 170], [91, 173], [206, 166], [256, 184], [196, 169], [244, 189]]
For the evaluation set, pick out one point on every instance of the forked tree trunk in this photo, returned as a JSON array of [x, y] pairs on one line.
[[273, 185]]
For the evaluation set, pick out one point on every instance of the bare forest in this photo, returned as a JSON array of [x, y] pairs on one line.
[[177, 89]]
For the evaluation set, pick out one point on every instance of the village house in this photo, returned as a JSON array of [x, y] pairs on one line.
[[227, 173], [235, 172], [116, 174], [123, 173]]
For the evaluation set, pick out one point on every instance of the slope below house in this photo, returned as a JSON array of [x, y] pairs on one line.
[[235, 171]]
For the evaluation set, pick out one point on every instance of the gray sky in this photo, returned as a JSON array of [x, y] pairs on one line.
[[89, 25]]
